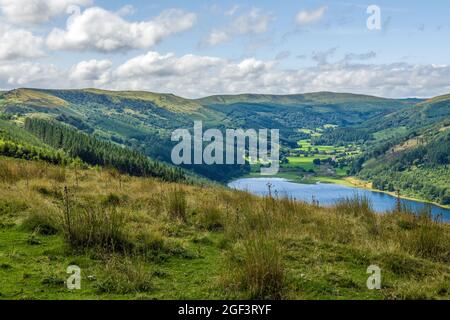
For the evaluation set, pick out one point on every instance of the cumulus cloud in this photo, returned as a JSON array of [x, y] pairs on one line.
[[306, 17], [101, 30], [36, 11], [252, 22], [196, 76], [168, 72], [92, 72], [19, 44], [27, 74]]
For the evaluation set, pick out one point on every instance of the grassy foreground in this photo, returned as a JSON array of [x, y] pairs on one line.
[[137, 238]]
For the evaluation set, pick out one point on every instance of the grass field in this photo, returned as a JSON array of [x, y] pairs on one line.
[[137, 238], [304, 162], [303, 156]]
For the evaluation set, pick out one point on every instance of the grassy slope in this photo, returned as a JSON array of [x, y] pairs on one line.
[[11, 132], [145, 120], [417, 117], [227, 244], [112, 116], [406, 129], [318, 97], [29, 97], [166, 101], [435, 125]]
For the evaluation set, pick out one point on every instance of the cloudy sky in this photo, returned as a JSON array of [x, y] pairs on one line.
[[196, 48]]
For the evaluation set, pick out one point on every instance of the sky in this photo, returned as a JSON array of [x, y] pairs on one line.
[[197, 48]]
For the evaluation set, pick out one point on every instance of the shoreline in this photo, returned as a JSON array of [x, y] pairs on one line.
[[344, 181], [368, 186]]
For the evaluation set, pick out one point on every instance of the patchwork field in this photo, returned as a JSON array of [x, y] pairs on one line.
[[302, 163]]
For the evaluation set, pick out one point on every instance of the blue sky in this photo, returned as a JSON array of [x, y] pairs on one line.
[[196, 48]]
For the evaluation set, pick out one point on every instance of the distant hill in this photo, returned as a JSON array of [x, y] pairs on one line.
[[323, 97], [420, 115], [411, 151], [330, 100], [144, 121]]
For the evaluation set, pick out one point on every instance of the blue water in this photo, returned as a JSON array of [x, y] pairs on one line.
[[329, 194]]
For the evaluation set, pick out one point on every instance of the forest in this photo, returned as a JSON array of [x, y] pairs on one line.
[[96, 152], [421, 170]]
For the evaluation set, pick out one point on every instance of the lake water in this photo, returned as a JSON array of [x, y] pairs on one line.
[[328, 194]]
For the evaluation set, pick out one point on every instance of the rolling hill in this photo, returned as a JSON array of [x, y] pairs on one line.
[[410, 151], [143, 121]]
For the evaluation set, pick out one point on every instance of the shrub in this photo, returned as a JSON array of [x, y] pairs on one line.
[[96, 227], [259, 271], [150, 243], [356, 206], [210, 218], [41, 222], [124, 276], [177, 204], [429, 240]]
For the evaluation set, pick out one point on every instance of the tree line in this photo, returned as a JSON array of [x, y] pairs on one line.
[[94, 151]]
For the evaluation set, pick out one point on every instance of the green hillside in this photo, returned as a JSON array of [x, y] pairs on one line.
[[336, 108], [411, 151], [144, 121], [77, 187], [316, 98], [16, 142], [143, 238], [417, 116]]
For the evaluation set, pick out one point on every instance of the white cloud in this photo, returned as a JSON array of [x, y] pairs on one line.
[[156, 65], [306, 17], [101, 30], [36, 11], [92, 72], [19, 44], [29, 74], [217, 37], [250, 23], [196, 76]]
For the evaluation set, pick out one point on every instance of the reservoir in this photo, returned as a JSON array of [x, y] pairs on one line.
[[328, 194]]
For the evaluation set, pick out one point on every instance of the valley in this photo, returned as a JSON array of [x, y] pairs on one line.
[[87, 179], [145, 238], [324, 136], [216, 159]]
